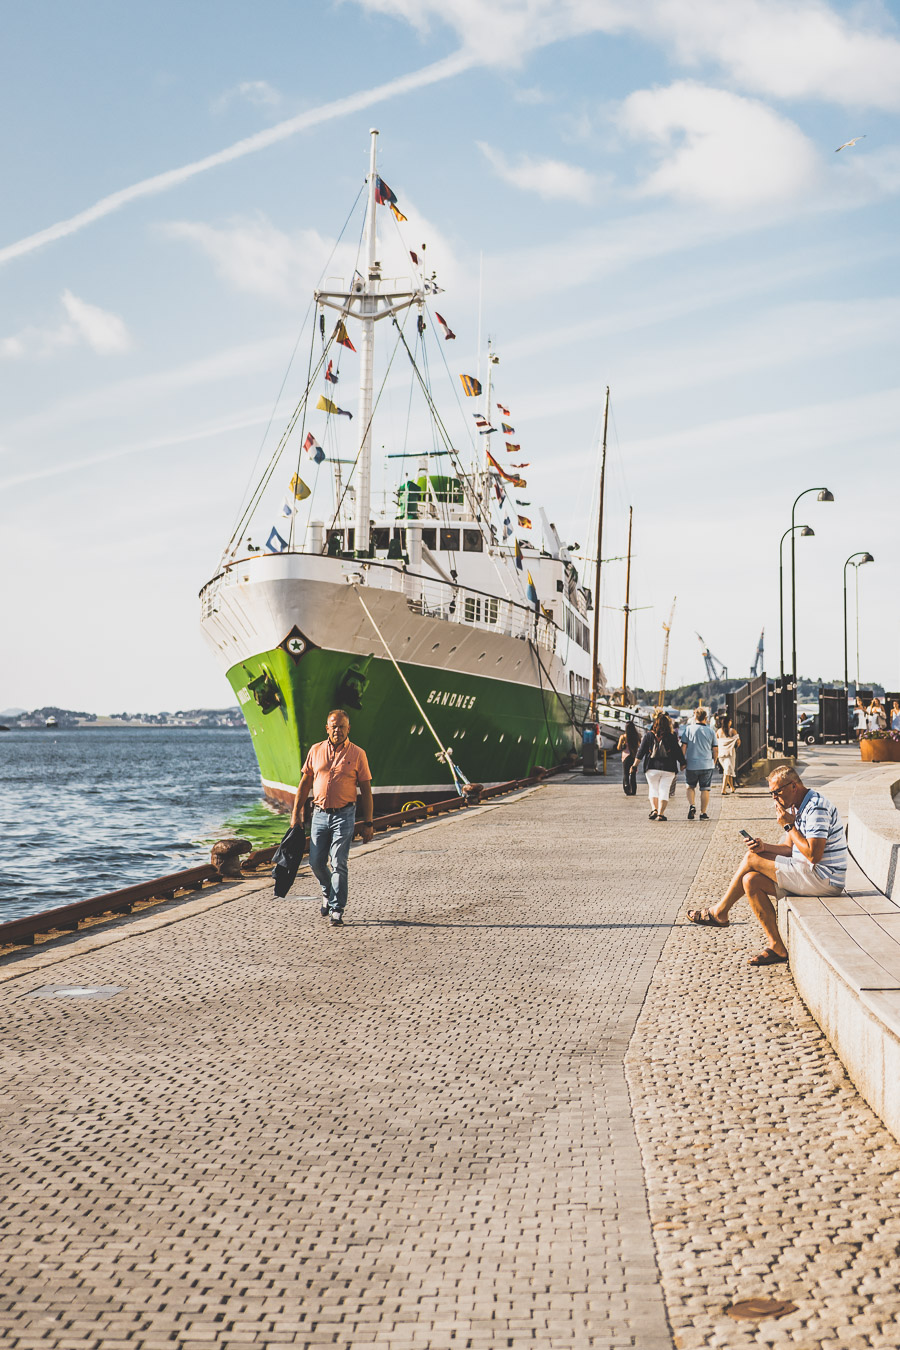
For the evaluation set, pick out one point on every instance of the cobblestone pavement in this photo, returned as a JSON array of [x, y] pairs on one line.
[[767, 1174], [414, 1132]]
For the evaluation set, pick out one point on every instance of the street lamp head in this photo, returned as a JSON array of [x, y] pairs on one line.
[[825, 496], [867, 557], [807, 533]]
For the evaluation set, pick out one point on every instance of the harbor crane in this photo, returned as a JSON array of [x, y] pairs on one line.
[[715, 670], [759, 660], [667, 628]]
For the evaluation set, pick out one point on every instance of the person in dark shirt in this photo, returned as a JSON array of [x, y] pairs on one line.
[[662, 756]]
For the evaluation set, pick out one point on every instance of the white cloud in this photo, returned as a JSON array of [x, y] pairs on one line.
[[549, 178], [259, 93], [102, 331], [778, 48], [255, 256], [719, 148]]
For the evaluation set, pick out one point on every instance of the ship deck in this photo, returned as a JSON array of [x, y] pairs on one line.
[[514, 1102]]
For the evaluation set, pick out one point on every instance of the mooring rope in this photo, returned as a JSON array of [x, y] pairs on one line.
[[445, 757]]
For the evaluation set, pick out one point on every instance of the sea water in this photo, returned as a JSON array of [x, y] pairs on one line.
[[89, 811]]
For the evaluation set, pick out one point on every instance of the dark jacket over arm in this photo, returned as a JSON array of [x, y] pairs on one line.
[[287, 859]]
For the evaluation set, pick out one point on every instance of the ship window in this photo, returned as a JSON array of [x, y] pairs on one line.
[[491, 609], [472, 609], [473, 541], [400, 537], [335, 534], [429, 538], [381, 538], [559, 586], [450, 541]]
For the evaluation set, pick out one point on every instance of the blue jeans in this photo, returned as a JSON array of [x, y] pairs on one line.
[[329, 844]]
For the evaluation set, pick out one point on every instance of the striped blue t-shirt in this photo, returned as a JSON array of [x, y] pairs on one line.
[[817, 818]]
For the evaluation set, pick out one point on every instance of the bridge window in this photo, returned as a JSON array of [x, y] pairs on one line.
[[473, 541], [450, 541]]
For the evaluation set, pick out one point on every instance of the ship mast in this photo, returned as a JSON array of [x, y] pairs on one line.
[[368, 300], [595, 664], [368, 306]]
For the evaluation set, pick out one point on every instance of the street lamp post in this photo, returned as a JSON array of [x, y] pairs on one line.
[[805, 533], [823, 496], [863, 558]]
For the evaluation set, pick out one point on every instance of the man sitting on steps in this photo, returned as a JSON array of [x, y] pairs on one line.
[[811, 861]]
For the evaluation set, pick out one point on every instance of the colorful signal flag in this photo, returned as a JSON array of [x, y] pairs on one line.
[[448, 333], [531, 592], [330, 374], [513, 449], [471, 386], [313, 448], [325, 405], [505, 411], [507, 429], [524, 522], [342, 337]]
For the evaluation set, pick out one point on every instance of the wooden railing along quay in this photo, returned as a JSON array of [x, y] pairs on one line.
[[25, 931]]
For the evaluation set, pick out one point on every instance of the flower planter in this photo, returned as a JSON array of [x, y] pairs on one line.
[[880, 751]]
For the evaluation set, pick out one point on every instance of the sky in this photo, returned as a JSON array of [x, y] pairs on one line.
[[643, 194]]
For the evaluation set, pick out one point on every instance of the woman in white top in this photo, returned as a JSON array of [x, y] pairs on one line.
[[876, 720], [860, 717], [728, 741]]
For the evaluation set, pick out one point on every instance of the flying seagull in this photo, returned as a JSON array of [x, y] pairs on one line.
[[853, 142]]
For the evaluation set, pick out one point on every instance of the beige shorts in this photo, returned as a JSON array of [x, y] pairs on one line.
[[793, 877]]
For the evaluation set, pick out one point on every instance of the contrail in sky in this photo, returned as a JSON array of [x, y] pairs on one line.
[[161, 182]]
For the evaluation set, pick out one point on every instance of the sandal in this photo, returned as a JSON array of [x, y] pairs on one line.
[[705, 917], [653, 815], [767, 958]]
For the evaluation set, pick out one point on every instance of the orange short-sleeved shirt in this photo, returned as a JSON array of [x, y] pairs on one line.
[[336, 773]]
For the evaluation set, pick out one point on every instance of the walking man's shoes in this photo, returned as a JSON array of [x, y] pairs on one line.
[[324, 911], [337, 919], [692, 811], [704, 816]]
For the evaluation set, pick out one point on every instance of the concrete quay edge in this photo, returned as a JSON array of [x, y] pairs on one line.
[[845, 952]]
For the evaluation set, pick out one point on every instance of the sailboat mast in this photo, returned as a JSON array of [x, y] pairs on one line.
[[367, 308], [627, 613], [595, 664]]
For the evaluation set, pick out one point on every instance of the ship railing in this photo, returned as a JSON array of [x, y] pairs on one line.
[[425, 594]]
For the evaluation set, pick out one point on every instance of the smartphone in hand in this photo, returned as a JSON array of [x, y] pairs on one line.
[[746, 836]]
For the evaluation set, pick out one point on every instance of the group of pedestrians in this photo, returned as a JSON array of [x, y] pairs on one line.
[[873, 717], [663, 751]]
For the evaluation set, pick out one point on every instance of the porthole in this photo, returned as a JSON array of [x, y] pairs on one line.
[[482, 656], [412, 731], [499, 659], [502, 735], [419, 732], [485, 738], [435, 647], [519, 741]]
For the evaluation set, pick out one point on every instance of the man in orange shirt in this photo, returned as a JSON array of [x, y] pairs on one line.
[[334, 770]]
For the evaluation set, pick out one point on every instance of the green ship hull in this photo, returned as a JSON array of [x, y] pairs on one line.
[[497, 730]]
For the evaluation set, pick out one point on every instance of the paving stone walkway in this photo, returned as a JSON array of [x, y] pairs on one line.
[[417, 1132], [414, 1132], [768, 1176]]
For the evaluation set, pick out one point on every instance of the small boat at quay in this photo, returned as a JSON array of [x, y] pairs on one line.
[[459, 646]]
